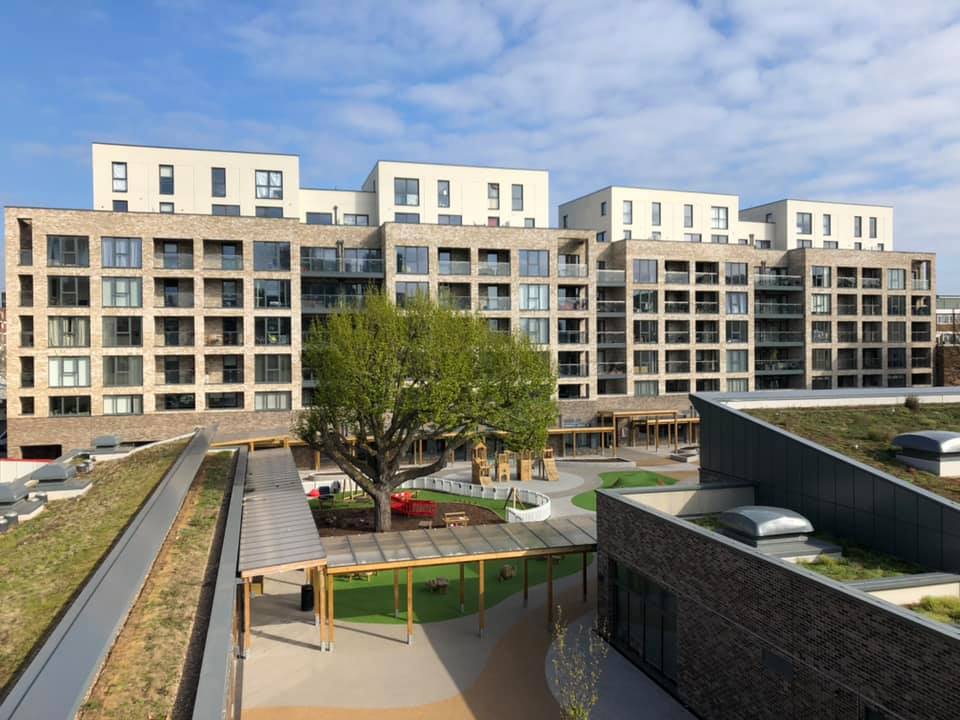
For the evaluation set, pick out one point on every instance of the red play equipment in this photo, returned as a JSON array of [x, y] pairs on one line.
[[404, 503]]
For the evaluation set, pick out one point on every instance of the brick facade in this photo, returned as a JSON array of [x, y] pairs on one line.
[[947, 365]]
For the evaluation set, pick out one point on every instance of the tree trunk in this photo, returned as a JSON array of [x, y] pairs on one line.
[[381, 511]]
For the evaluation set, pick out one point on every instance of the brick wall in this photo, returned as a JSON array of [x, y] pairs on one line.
[[733, 604], [947, 365]]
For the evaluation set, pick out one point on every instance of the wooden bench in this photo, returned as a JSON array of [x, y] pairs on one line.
[[455, 519]]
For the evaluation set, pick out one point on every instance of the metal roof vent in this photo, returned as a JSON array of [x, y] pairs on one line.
[[935, 451]]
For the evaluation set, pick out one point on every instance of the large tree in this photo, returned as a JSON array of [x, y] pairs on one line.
[[389, 376]]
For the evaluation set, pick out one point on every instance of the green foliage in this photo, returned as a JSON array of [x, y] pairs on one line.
[[945, 608], [577, 666], [621, 479], [912, 403], [387, 377]]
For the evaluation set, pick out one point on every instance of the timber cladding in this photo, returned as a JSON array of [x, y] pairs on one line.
[[836, 652]]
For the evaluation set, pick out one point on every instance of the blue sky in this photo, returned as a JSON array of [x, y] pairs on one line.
[[851, 101]]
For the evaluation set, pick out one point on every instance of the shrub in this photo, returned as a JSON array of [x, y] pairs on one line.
[[912, 403]]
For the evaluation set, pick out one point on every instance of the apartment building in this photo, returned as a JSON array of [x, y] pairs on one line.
[[148, 323]]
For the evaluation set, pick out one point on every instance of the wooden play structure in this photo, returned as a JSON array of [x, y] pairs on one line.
[[480, 465], [525, 466], [550, 465], [503, 467]]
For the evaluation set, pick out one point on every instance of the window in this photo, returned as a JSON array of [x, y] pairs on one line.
[[804, 223], [830, 245], [737, 361], [68, 251], [720, 239], [537, 330], [218, 182], [740, 385], [821, 304], [225, 401], [687, 216], [271, 294], [735, 273], [534, 297], [872, 226], [628, 212], [826, 225], [226, 210], [857, 226], [822, 331], [407, 218], [268, 212], [736, 303], [645, 271], [646, 388], [628, 235], [26, 290], [563, 223], [71, 405], [692, 237], [270, 401], [166, 180], [896, 332], [529, 222], [896, 279], [119, 177], [897, 305], [177, 401], [26, 331], [601, 236], [719, 218], [269, 184], [677, 386], [319, 218], [449, 219], [26, 372], [645, 331], [534, 263], [407, 290], [68, 332], [655, 214], [272, 331], [123, 404], [356, 219], [166, 207], [516, 197], [655, 235], [406, 191], [121, 252], [69, 372], [493, 221], [820, 276], [68, 291], [413, 260], [26, 406], [122, 370], [603, 208], [858, 246], [120, 206], [122, 292], [272, 368], [646, 362], [737, 331], [271, 256], [122, 332], [443, 193]]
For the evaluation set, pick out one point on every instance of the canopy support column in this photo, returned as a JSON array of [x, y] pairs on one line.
[[410, 606], [396, 592], [462, 569], [481, 598], [246, 615], [330, 614], [322, 608]]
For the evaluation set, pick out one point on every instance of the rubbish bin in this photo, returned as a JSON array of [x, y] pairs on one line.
[[306, 598]]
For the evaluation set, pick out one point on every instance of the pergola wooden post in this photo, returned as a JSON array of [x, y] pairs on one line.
[[396, 592], [410, 605], [246, 615], [584, 573], [462, 568], [526, 581], [549, 592], [330, 613], [321, 608], [481, 599]]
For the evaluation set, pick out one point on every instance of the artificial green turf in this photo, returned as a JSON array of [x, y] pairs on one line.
[[498, 506], [371, 601], [621, 479]]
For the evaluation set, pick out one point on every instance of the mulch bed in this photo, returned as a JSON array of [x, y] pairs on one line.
[[331, 523]]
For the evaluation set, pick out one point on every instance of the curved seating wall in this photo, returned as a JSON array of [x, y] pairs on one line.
[[540, 503]]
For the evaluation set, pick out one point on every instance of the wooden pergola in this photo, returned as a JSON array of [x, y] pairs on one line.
[[653, 420]]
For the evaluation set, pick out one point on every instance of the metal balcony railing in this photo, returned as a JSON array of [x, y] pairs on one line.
[[611, 306], [872, 336], [679, 308], [921, 284], [568, 304], [223, 262], [645, 338], [920, 310], [225, 302], [708, 366], [174, 300], [225, 377], [497, 269], [177, 377], [775, 280], [897, 364], [612, 276], [310, 264], [568, 270], [847, 364], [611, 337], [873, 310], [776, 308], [174, 261], [707, 308], [922, 361], [457, 302], [677, 366], [454, 267], [872, 363], [224, 339], [821, 336], [493, 304], [612, 368], [175, 339], [847, 337], [871, 283], [572, 370], [778, 365], [847, 282], [363, 265], [707, 278], [919, 336], [674, 277], [707, 336], [330, 301], [677, 337], [272, 339], [771, 337], [645, 368], [571, 337]]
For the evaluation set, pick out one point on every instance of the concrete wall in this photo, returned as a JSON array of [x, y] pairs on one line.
[[694, 501], [837, 494], [784, 215], [339, 203]]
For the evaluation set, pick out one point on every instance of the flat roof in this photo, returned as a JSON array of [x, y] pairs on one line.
[[457, 165], [819, 202], [277, 529], [196, 149]]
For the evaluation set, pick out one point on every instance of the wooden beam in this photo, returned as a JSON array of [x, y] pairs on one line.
[[396, 592], [246, 615], [322, 577], [462, 589], [584, 571], [549, 592], [481, 598], [409, 606], [526, 581], [315, 583], [330, 615]]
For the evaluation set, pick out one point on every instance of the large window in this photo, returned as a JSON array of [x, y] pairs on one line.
[[719, 218], [61, 406], [737, 361], [413, 260], [407, 218], [225, 401], [122, 332], [822, 331], [737, 331], [738, 385], [688, 216], [645, 620], [68, 332], [646, 388], [407, 290], [227, 210], [68, 251], [271, 294], [271, 256], [821, 304], [857, 226], [443, 193], [123, 404], [655, 214], [356, 219], [736, 303], [122, 292], [820, 276], [121, 252], [69, 372], [262, 211], [493, 196], [516, 197], [268, 401], [873, 227], [534, 263], [449, 219], [645, 271], [272, 331], [272, 368], [269, 184], [122, 370], [177, 401], [645, 302], [406, 191], [166, 179], [896, 279], [537, 330], [319, 218], [119, 172], [65, 291], [628, 212], [804, 223], [736, 273], [218, 182], [897, 305], [534, 297]]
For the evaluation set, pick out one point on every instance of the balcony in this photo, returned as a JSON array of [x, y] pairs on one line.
[[920, 362], [175, 339], [611, 337], [453, 267], [872, 363], [494, 304], [612, 368], [847, 363], [456, 302], [707, 278], [677, 337], [708, 336], [708, 366], [174, 261], [677, 366], [872, 336], [784, 337], [779, 366], [329, 301], [873, 310], [223, 262], [571, 337], [674, 277], [319, 265], [177, 377], [224, 339], [494, 269], [572, 270], [707, 307], [773, 280], [231, 376], [774, 308], [871, 283], [569, 370], [677, 308], [921, 284], [612, 277], [920, 310], [616, 307], [572, 304], [846, 282], [175, 300], [920, 336]]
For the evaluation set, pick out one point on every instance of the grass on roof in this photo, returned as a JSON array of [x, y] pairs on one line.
[[45, 561], [865, 434], [945, 609], [621, 479]]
